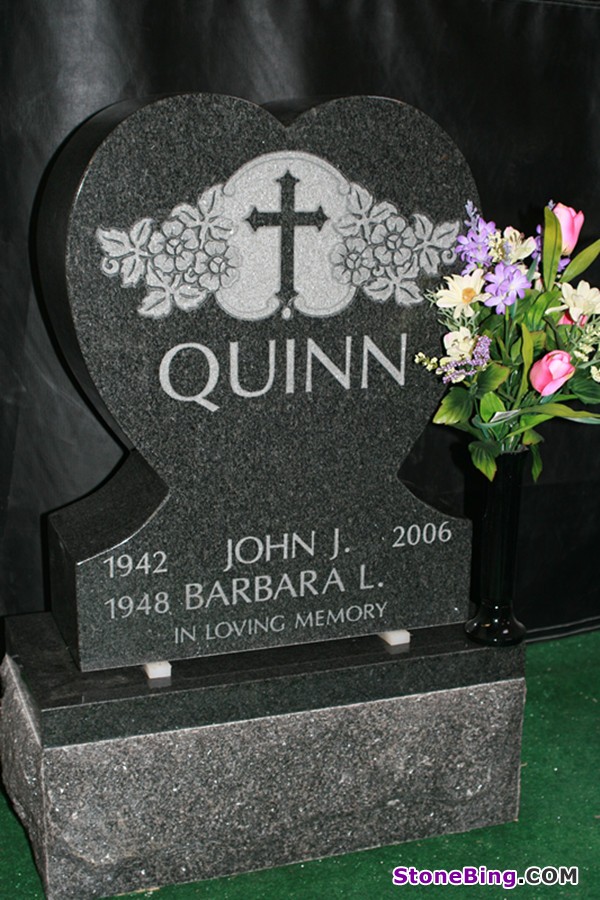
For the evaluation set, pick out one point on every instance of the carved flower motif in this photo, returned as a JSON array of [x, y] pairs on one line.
[[353, 261], [217, 265], [397, 282], [125, 253], [190, 257], [363, 213], [434, 244], [168, 291], [394, 240], [206, 218], [383, 254], [173, 247]]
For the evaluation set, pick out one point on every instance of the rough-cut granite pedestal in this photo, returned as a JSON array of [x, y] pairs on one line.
[[255, 760]]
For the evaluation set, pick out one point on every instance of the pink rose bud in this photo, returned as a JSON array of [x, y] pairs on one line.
[[570, 225], [550, 372]]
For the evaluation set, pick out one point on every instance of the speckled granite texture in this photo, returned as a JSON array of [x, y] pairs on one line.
[[243, 301], [75, 707], [167, 806]]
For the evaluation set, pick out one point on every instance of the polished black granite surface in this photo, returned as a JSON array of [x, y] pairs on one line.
[[272, 401], [75, 707]]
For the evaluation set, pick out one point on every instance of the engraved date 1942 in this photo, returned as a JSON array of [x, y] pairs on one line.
[[147, 564]]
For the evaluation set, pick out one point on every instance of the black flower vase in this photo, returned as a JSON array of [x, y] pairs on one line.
[[495, 622]]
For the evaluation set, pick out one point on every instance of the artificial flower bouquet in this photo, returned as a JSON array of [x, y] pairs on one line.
[[522, 343]]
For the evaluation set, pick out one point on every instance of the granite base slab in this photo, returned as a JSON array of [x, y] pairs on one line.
[[162, 804]]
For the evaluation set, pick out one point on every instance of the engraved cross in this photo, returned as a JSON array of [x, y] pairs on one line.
[[288, 218]]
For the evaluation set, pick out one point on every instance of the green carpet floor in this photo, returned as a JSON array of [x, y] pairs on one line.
[[559, 823]]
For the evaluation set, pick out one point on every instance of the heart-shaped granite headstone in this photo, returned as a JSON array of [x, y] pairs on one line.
[[244, 304]]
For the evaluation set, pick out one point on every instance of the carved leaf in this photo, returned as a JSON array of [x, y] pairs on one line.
[[114, 242], [407, 293], [381, 289], [220, 229], [140, 233], [188, 215], [429, 260], [382, 211], [132, 269], [423, 227], [348, 226], [359, 201], [189, 296], [156, 305], [211, 202], [444, 235], [409, 269]]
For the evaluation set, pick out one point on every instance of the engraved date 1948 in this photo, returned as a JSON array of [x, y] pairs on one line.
[[123, 607]]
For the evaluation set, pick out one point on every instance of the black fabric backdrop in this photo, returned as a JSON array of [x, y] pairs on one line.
[[514, 82]]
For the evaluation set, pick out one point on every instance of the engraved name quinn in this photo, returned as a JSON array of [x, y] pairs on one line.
[[358, 355]]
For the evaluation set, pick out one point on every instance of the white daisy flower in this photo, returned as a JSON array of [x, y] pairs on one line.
[[461, 292]]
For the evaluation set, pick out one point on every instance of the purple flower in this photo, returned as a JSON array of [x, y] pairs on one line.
[[456, 370], [505, 285], [473, 247], [481, 353], [537, 253]]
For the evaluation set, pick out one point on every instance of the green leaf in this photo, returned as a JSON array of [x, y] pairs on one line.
[[552, 248], [532, 270], [515, 351], [506, 360], [490, 404], [581, 261], [561, 411], [527, 423], [494, 326], [585, 388], [552, 339], [531, 437], [536, 462], [527, 360], [465, 426], [491, 378], [455, 407], [545, 411], [539, 341], [535, 313], [483, 456]]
